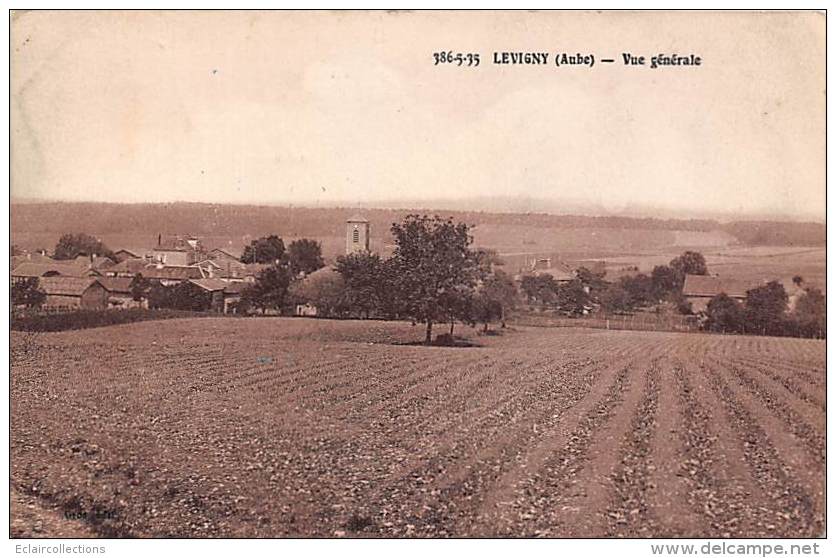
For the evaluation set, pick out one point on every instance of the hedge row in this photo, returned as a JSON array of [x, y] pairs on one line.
[[83, 319]]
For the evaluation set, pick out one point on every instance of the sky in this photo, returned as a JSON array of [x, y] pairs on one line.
[[330, 108]]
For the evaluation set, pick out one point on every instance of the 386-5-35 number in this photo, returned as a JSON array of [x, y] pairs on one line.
[[457, 58]]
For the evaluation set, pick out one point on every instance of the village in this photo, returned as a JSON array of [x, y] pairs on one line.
[[215, 280]]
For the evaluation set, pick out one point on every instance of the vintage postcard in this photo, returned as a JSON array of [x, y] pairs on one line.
[[418, 274]]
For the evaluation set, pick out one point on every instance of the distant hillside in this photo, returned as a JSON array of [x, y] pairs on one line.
[[770, 233], [55, 218]]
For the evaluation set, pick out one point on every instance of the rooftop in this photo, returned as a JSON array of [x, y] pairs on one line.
[[116, 284], [65, 286], [710, 285], [41, 269]]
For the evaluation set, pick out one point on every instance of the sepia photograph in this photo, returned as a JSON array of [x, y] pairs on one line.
[[319, 274]]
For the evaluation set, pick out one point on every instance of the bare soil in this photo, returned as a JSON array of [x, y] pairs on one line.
[[313, 428]]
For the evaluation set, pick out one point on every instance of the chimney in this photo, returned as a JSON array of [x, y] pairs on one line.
[[159, 239]]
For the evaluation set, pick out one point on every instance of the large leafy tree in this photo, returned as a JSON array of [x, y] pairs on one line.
[[724, 314], [269, 290], [666, 280], [72, 245], [592, 280], [689, 263], [188, 296], [616, 299], [811, 312], [264, 250], [640, 289], [366, 283], [539, 289], [304, 256], [766, 307], [324, 290], [433, 267]]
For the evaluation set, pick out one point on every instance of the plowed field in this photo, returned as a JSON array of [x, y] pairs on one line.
[[291, 427]]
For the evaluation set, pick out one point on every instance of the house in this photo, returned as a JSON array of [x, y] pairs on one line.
[[210, 267], [700, 289], [307, 310], [179, 251], [224, 296], [560, 271], [73, 292], [240, 272], [119, 294]]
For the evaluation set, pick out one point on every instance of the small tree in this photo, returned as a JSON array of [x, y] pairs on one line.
[[432, 265], [572, 298], [265, 250], [485, 309], [499, 294], [27, 293], [140, 288], [305, 256]]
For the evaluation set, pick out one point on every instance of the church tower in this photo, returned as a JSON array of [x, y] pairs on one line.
[[357, 236]]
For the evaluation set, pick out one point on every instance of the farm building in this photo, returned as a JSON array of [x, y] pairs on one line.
[[225, 296], [52, 269], [119, 293], [221, 257], [173, 274], [700, 289], [73, 292]]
